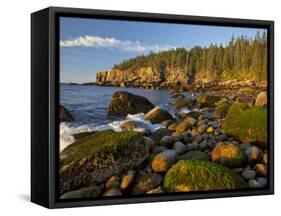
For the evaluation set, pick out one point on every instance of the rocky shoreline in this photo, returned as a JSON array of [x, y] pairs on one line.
[[221, 143]]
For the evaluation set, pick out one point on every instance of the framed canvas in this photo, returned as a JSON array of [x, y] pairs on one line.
[[138, 107]]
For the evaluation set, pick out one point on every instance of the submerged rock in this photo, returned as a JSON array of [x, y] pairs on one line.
[[199, 175], [96, 157], [124, 103]]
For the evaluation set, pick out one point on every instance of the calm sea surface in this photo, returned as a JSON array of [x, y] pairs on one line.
[[88, 104]]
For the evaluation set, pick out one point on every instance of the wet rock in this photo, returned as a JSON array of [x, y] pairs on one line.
[[65, 115], [157, 115], [124, 103]]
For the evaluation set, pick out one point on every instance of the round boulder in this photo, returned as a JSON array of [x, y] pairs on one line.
[[199, 175], [228, 154], [163, 161], [124, 103], [157, 115]]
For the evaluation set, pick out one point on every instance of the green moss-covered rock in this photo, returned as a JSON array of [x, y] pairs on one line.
[[200, 175], [65, 115], [207, 100], [221, 110], [83, 134], [98, 156], [249, 125], [157, 115], [184, 102], [236, 108], [228, 154]]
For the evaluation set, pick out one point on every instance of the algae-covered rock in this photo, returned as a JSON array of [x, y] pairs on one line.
[[123, 103], [157, 115], [200, 175], [249, 125], [228, 154], [99, 156], [65, 115], [236, 108], [221, 110]]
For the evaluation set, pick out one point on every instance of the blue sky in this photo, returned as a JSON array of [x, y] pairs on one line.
[[91, 45]]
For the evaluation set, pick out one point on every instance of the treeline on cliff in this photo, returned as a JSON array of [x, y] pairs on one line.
[[241, 59]]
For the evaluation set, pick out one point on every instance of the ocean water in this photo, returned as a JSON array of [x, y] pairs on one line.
[[88, 105]]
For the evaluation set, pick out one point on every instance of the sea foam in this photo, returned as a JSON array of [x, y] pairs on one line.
[[68, 129]]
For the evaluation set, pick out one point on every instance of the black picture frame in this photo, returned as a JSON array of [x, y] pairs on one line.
[[45, 104]]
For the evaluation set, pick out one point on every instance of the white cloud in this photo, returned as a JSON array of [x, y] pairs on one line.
[[106, 42]]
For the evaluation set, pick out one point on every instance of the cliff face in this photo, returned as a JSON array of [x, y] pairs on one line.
[[144, 77]]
